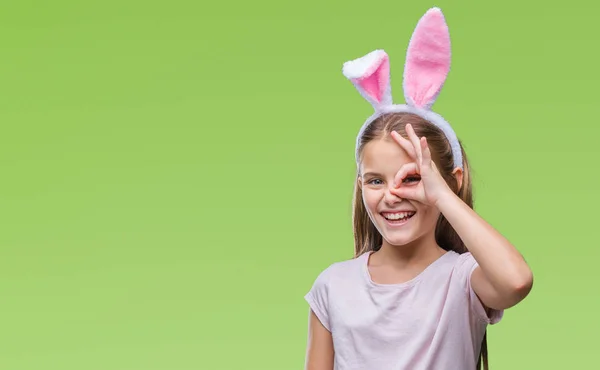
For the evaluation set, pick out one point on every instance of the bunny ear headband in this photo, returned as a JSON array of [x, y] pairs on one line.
[[427, 66]]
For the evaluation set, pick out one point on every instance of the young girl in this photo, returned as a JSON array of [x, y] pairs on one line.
[[428, 274]]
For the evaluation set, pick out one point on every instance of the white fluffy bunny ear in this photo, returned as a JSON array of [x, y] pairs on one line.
[[427, 60], [370, 75]]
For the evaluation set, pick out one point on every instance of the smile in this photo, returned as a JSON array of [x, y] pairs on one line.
[[398, 218]]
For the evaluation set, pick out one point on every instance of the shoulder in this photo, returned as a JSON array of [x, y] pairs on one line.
[[335, 278], [454, 261], [340, 270], [456, 267], [465, 263], [339, 275]]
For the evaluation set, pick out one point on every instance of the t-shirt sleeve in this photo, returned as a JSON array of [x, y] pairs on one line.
[[467, 266], [318, 298]]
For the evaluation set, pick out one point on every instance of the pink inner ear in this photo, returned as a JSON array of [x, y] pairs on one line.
[[374, 84], [427, 60]]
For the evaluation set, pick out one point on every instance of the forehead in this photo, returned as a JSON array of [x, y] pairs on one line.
[[383, 156]]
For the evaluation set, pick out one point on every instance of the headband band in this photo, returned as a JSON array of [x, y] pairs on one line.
[[425, 71]]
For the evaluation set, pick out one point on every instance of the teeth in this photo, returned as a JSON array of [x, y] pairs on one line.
[[398, 216]]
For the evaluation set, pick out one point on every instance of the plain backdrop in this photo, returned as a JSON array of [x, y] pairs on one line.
[[174, 175]]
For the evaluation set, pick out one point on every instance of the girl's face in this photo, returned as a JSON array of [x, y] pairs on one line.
[[399, 221]]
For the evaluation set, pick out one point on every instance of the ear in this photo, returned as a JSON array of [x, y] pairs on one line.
[[458, 175], [427, 60], [370, 75]]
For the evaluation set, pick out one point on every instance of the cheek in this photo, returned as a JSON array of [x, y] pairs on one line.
[[430, 215], [371, 199]]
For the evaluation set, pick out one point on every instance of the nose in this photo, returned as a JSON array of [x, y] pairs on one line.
[[389, 197]]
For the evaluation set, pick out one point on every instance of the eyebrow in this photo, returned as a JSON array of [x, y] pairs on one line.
[[367, 174]]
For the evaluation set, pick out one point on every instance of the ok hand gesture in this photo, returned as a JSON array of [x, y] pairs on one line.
[[431, 187]]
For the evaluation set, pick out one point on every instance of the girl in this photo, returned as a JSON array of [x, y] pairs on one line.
[[428, 274]]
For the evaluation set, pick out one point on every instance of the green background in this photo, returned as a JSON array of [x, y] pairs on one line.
[[176, 174]]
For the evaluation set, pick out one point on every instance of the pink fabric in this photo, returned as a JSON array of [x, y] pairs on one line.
[[375, 81], [433, 322], [427, 60]]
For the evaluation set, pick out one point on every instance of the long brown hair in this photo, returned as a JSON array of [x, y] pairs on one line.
[[367, 237]]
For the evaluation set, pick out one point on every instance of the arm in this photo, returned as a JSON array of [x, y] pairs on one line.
[[319, 351], [503, 278]]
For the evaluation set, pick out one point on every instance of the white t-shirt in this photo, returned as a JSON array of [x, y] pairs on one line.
[[432, 322]]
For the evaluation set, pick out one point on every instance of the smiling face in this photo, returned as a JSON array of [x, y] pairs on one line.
[[399, 221]]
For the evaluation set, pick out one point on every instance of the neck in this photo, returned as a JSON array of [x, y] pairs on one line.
[[423, 249]]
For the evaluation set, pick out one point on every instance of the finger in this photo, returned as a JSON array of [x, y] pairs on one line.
[[405, 144], [405, 171], [411, 193], [412, 136], [426, 153]]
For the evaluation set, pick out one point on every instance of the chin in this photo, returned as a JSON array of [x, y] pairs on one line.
[[398, 235], [398, 240]]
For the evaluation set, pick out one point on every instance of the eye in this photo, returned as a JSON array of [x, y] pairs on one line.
[[374, 182], [412, 179]]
